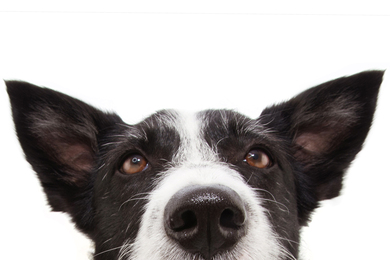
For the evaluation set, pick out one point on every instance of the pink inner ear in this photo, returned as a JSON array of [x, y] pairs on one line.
[[77, 156], [312, 142], [319, 141]]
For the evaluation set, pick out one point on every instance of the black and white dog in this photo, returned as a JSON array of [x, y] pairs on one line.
[[214, 185]]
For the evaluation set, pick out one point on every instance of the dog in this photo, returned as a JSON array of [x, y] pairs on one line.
[[212, 185]]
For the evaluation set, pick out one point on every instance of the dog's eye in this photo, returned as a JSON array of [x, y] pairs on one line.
[[258, 158], [133, 164]]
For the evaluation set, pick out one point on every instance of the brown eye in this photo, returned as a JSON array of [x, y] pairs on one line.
[[134, 164], [257, 158]]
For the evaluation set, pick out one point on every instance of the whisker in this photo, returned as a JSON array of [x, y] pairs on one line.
[[108, 240], [133, 198], [125, 250], [273, 199], [247, 181], [105, 175], [220, 140], [127, 228], [288, 254], [278, 203], [109, 250], [288, 240], [110, 143], [258, 189], [101, 166]]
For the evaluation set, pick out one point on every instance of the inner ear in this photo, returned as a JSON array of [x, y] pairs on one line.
[[315, 150], [77, 160], [314, 142], [79, 156], [318, 141], [68, 141]]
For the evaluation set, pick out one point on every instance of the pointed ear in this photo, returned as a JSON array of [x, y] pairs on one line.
[[326, 126], [59, 136]]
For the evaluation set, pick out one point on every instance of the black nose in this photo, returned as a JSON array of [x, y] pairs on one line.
[[205, 219]]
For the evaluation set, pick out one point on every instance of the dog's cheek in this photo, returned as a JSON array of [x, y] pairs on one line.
[[277, 189], [119, 203]]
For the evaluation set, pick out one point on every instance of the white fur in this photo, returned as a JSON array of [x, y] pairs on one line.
[[197, 164]]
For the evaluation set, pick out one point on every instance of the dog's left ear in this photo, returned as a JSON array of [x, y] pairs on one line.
[[60, 136], [326, 126]]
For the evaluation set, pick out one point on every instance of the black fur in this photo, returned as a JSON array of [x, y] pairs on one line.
[[77, 151], [333, 118]]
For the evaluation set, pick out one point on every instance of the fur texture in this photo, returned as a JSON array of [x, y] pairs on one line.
[[78, 153]]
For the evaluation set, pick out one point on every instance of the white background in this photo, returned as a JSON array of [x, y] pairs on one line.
[[135, 58]]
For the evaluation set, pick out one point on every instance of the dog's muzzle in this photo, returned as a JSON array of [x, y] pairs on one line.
[[205, 220]]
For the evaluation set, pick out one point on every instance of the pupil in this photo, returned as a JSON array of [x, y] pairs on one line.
[[254, 156], [135, 160]]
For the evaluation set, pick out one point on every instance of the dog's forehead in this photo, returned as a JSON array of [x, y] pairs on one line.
[[187, 122], [185, 126], [199, 133]]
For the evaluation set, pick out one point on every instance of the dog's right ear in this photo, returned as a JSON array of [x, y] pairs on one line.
[[325, 127], [59, 136]]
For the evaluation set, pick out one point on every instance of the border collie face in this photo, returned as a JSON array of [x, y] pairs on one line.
[[213, 185]]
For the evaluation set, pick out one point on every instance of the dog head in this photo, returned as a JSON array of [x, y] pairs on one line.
[[209, 185]]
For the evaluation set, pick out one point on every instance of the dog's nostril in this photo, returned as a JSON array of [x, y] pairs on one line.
[[205, 220], [185, 220], [232, 219]]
